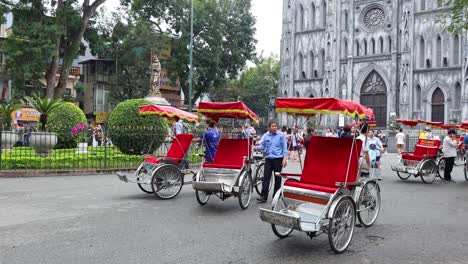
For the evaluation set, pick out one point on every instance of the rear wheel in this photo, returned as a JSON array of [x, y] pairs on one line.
[[465, 168], [368, 205], [280, 231], [245, 191], [202, 197], [428, 171], [341, 225], [403, 176], [141, 173], [441, 168], [167, 182], [459, 158], [258, 183]]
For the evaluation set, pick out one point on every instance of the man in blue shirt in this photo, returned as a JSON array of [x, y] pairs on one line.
[[210, 139], [275, 146]]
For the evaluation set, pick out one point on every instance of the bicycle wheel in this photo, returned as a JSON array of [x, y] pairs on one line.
[[458, 159], [403, 176], [441, 168], [258, 179], [146, 188], [465, 168], [368, 205], [245, 191], [341, 225], [201, 196], [167, 182], [428, 171], [280, 231]]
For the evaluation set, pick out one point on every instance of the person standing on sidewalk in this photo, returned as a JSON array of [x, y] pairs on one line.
[[450, 152], [276, 148], [400, 141]]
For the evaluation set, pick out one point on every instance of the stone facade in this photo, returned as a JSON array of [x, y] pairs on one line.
[[391, 55]]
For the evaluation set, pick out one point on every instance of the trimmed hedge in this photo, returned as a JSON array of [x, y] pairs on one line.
[[135, 134], [25, 158], [61, 121]]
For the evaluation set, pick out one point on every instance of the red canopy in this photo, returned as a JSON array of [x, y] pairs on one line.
[[216, 110], [463, 125], [371, 123], [408, 122], [309, 106], [167, 112]]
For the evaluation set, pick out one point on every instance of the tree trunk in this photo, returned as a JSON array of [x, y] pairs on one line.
[[51, 72], [72, 49]]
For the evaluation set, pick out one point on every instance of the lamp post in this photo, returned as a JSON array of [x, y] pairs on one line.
[[191, 59]]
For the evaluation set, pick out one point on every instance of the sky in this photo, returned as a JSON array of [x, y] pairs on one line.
[[268, 14]]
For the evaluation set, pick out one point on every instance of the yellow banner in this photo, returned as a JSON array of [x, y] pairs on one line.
[[26, 114]]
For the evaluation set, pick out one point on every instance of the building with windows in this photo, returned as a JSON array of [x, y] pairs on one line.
[[392, 55]]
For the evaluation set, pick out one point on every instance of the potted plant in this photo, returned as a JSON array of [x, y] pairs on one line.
[[9, 137], [81, 133], [43, 142]]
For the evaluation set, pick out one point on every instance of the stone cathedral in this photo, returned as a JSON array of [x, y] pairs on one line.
[[393, 56]]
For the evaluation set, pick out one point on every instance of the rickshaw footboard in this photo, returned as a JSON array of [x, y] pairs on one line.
[[281, 219], [405, 169], [213, 187]]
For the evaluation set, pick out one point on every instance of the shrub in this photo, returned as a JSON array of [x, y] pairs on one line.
[[62, 120], [127, 127]]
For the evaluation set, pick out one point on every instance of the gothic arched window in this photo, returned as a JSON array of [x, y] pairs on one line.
[[312, 15], [457, 97], [345, 49], [345, 20], [312, 64], [417, 98], [423, 5], [372, 51], [438, 58], [324, 13], [364, 46], [301, 65], [357, 48], [301, 17], [322, 61], [389, 40], [456, 50], [422, 52], [381, 45]]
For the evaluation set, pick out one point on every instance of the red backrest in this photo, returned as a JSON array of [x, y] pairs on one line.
[[179, 146], [231, 151], [426, 147], [326, 161]]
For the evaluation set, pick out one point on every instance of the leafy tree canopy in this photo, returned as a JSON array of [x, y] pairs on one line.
[[223, 34], [457, 17]]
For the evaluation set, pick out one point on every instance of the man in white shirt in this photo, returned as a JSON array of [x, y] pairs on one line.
[[450, 152], [179, 127]]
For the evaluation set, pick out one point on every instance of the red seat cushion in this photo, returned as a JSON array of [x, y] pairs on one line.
[[326, 161], [425, 148], [230, 154], [152, 160], [312, 187]]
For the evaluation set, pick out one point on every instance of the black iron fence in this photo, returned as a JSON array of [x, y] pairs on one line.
[[27, 150]]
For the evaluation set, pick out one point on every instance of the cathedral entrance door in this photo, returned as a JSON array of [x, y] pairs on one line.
[[438, 107], [374, 95]]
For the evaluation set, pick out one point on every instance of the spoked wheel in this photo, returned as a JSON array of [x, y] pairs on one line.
[[428, 171], [280, 231], [202, 197], [368, 205], [341, 226], [167, 182], [259, 173], [403, 176], [465, 168], [144, 187], [259, 178], [245, 191], [441, 168], [458, 159]]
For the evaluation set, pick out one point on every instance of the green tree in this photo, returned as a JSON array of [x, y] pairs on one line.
[[457, 18], [46, 38], [254, 87], [223, 38]]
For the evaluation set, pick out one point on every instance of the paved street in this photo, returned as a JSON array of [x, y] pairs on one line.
[[98, 219]]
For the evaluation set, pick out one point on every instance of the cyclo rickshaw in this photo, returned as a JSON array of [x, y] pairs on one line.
[[331, 191], [163, 175], [230, 172]]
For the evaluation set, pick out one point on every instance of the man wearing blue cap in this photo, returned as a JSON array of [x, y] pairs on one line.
[[450, 152]]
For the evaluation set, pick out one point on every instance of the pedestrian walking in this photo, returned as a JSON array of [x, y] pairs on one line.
[[400, 141], [275, 147], [450, 152]]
